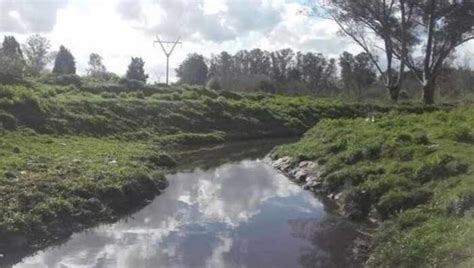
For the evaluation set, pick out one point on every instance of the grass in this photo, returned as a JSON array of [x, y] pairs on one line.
[[413, 172], [74, 152], [50, 186], [158, 111]]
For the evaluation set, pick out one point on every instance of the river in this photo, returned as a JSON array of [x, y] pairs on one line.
[[229, 208]]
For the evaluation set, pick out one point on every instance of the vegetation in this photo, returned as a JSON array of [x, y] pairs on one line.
[[75, 151], [78, 150], [405, 28], [51, 186], [412, 172], [135, 70], [193, 70]]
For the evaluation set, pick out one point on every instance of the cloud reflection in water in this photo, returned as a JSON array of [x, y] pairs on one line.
[[241, 214]]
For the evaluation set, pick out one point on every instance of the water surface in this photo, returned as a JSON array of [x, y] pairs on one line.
[[238, 214]]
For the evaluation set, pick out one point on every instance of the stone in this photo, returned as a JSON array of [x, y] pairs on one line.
[[282, 164], [300, 175]]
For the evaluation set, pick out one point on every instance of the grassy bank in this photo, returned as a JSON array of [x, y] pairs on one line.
[[414, 173], [148, 112], [74, 155], [51, 186]]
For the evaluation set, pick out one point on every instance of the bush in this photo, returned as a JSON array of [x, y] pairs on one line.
[[395, 201], [11, 70], [230, 95], [132, 84], [439, 167], [214, 84], [357, 204], [161, 160], [266, 86], [463, 134], [62, 79], [108, 95], [8, 121]]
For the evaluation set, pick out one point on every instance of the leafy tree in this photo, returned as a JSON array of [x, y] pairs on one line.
[[193, 70], [442, 27], [390, 21], [281, 63], [96, 67], [222, 67], [11, 48], [136, 70], [315, 70], [64, 62], [12, 64], [37, 53], [356, 72], [259, 62]]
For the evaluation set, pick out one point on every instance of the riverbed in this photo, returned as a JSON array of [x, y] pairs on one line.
[[229, 208]]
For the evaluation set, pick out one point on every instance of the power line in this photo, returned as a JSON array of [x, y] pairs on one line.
[[167, 53]]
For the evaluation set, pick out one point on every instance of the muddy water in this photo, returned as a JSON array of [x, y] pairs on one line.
[[235, 210]]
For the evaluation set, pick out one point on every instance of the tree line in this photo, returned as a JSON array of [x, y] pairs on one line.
[[286, 71], [259, 69], [31, 59]]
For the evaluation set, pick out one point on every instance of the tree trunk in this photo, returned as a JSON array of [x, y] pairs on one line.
[[394, 92], [428, 93]]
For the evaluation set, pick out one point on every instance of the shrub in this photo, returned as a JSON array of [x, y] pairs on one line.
[[440, 166], [395, 200], [404, 95], [230, 95], [11, 70], [8, 121], [422, 139], [108, 95], [214, 84], [357, 204], [132, 84], [62, 79], [161, 160], [463, 134]]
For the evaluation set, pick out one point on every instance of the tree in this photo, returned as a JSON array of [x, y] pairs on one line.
[[96, 67], [222, 67], [388, 20], [193, 70], [12, 64], [442, 27], [315, 70], [259, 62], [356, 72], [136, 71], [281, 63], [37, 53], [64, 62]]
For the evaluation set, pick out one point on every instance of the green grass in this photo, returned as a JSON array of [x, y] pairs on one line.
[[50, 186], [152, 111], [413, 172], [73, 155]]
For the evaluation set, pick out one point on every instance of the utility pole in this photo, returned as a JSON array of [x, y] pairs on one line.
[[167, 53]]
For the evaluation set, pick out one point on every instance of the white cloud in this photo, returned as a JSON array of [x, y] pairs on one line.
[[120, 29]]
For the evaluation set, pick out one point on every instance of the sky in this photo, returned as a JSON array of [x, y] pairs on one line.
[[121, 29]]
